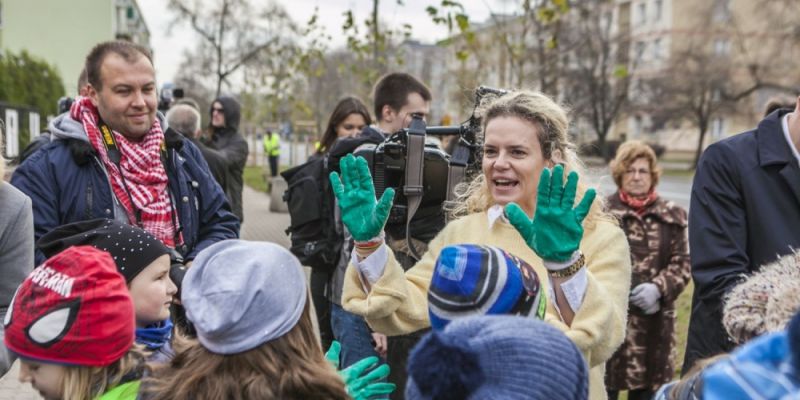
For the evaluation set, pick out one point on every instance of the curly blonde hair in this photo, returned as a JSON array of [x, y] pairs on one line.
[[627, 154], [553, 126]]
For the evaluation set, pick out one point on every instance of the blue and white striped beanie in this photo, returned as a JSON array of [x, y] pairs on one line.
[[470, 280]]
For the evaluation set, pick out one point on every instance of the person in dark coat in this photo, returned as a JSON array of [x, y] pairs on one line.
[[656, 232], [228, 147], [745, 210], [152, 177]]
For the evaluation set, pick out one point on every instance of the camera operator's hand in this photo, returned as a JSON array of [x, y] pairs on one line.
[[363, 216], [556, 229]]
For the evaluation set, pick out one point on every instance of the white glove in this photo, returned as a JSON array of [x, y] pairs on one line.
[[646, 296]]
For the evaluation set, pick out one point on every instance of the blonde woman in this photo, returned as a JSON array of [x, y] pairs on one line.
[[16, 246], [519, 204]]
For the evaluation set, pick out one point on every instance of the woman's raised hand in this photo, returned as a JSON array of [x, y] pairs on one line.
[[556, 230], [361, 213]]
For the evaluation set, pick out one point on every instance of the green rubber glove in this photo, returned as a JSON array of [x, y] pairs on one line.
[[363, 216], [332, 355], [361, 386], [556, 229]]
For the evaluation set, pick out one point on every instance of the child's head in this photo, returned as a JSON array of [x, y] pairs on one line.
[[470, 280], [141, 258], [497, 357], [765, 301], [249, 303], [71, 323]]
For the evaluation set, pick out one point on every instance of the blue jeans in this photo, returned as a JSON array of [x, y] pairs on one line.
[[353, 334]]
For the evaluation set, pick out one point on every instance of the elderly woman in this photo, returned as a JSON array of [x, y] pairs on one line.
[[579, 253], [656, 231]]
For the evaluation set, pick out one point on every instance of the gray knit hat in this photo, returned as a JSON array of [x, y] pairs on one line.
[[497, 357], [765, 301], [242, 294]]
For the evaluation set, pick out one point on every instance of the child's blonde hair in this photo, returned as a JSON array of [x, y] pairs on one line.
[[88, 383]]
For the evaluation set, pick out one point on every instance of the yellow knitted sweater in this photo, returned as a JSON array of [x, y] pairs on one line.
[[398, 301]]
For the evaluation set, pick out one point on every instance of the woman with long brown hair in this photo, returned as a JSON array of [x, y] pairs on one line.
[[348, 118], [255, 340]]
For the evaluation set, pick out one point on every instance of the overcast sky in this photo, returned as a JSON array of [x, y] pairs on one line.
[[168, 49]]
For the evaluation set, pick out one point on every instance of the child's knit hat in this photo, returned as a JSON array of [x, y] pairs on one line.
[[73, 309], [470, 280], [497, 357], [765, 301], [131, 247], [242, 294], [765, 367]]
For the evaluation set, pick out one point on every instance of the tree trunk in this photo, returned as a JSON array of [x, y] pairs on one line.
[[601, 141], [699, 150]]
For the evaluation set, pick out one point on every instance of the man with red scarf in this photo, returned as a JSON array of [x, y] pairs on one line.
[[113, 157]]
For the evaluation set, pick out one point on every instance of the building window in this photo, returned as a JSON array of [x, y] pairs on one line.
[[657, 49], [721, 11], [722, 47], [639, 55], [658, 10], [717, 128], [642, 13]]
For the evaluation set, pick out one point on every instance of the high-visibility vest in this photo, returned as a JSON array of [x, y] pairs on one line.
[[272, 145]]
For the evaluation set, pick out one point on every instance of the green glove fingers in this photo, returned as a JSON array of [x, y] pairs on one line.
[[556, 230], [570, 190], [519, 219], [332, 355], [361, 386], [543, 191], [361, 213]]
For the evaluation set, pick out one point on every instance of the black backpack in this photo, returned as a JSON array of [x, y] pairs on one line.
[[312, 231]]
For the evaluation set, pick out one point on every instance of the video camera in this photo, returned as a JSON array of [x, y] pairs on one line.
[[169, 93], [424, 175]]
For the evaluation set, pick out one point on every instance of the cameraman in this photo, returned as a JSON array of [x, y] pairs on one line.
[[398, 98]]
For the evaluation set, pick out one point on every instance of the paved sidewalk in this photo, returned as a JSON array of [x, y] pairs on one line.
[[260, 224]]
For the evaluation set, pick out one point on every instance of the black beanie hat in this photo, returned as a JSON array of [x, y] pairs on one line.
[[132, 248]]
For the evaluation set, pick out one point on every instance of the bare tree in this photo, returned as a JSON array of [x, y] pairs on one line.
[[236, 32], [597, 76], [709, 79]]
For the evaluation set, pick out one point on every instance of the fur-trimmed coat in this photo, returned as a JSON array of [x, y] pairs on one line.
[[659, 255]]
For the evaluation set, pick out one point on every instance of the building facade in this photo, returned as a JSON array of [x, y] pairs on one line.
[[62, 32]]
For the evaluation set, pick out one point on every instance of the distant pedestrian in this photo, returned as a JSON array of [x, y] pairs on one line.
[[272, 150], [656, 232], [230, 147]]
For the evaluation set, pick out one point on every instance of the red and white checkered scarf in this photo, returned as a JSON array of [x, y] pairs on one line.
[[141, 170]]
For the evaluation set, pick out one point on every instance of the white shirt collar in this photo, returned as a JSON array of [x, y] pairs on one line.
[[494, 213], [785, 125]]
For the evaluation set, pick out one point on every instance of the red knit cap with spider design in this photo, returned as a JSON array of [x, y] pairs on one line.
[[73, 309]]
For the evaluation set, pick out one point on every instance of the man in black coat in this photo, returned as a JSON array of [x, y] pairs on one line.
[[229, 147], [745, 212]]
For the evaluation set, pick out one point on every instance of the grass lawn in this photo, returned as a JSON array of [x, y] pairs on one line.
[[254, 177], [683, 309]]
